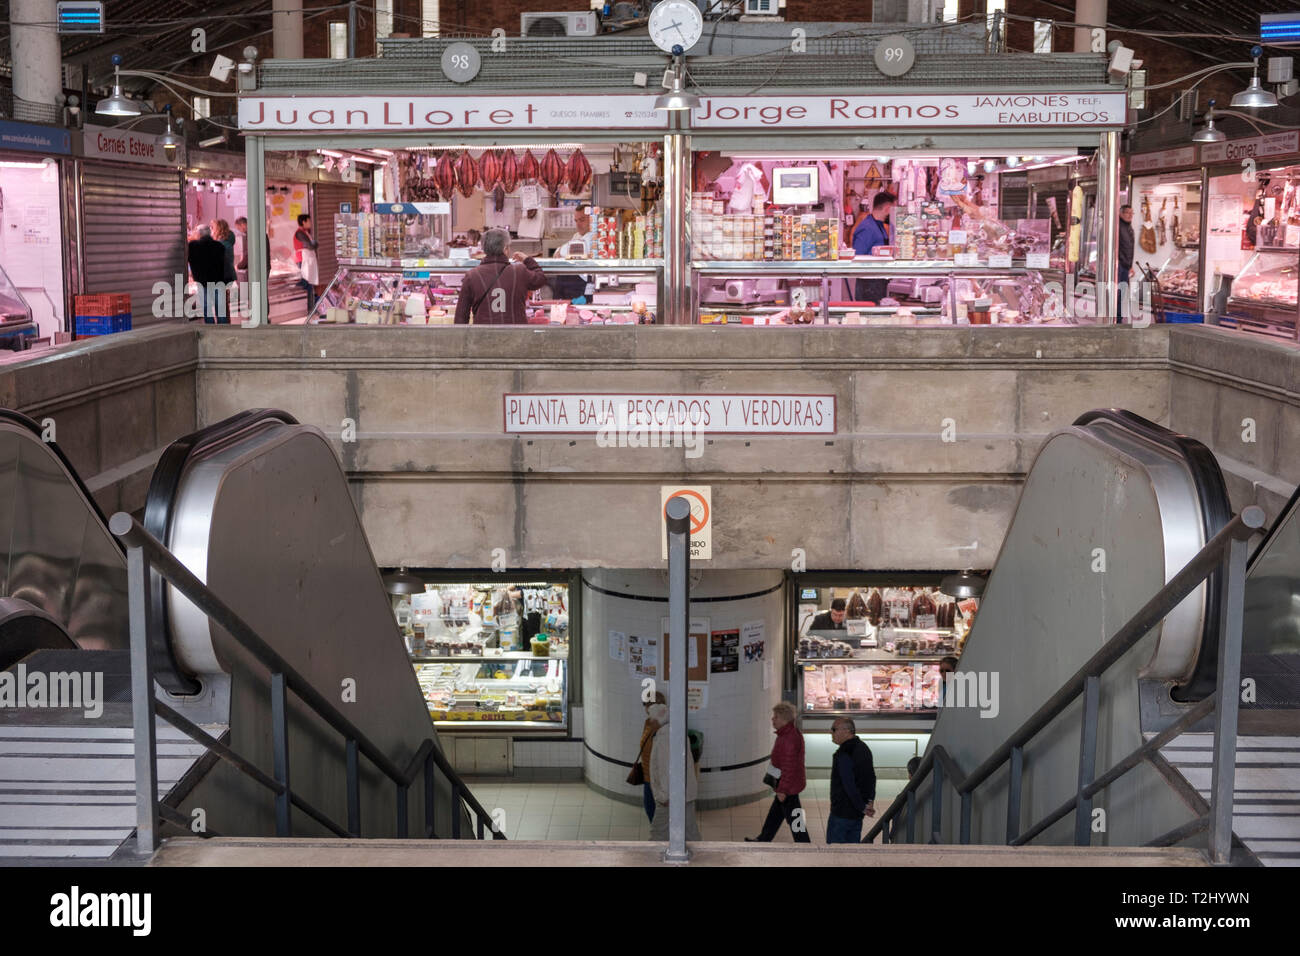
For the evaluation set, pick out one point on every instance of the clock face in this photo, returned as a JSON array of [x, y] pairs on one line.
[[675, 23]]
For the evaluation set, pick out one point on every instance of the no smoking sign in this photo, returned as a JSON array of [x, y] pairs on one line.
[[701, 502]]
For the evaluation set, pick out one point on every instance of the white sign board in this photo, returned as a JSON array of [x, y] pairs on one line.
[[128, 146], [399, 114], [589, 413], [894, 111], [1260, 147], [701, 501]]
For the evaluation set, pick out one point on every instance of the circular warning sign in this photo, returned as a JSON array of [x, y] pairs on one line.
[[699, 508]]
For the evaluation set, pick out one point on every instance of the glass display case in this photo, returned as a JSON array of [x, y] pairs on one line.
[[883, 656], [425, 292], [1262, 297], [1179, 276], [14, 309], [987, 291], [490, 654], [516, 690]]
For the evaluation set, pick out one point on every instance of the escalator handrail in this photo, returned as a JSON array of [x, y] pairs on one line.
[[33, 426], [1216, 511], [160, 513]]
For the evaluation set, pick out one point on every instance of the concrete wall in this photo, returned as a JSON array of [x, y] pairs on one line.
[[1240, 395], [440, 485], [117, 401]]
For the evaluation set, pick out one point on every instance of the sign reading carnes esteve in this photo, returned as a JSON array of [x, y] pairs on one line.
[[577, 413], [399, 113], [892, 111]]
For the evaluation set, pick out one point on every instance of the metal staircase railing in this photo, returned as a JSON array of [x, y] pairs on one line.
[[145, 554], [1226, 550]]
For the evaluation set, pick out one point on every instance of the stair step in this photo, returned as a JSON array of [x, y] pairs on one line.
[[67, 785], [1266, 789]]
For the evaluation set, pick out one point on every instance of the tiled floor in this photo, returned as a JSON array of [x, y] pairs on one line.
[[573, 811]]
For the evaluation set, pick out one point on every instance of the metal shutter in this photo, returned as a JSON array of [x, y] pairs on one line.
[[133, 232], [325, 206]]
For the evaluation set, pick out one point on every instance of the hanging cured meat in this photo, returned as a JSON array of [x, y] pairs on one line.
[[579, 172], [857, 607], [530, 171], [466, 174], [489, 169], [552, 171], [444, 176], [498, 198], [509, 171]]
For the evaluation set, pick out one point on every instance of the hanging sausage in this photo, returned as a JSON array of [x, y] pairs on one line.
[[552, 171], [579, 171], [444, 176], [489, 169], [509, 171], [530, 170], [466, 174]]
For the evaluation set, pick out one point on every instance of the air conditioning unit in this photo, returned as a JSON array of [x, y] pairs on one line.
[[762, 8], [566, 23]]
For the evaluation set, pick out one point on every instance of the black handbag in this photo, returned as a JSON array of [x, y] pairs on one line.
[[636, 776]]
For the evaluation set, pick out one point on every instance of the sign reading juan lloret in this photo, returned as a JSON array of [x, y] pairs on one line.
[[719, 414]]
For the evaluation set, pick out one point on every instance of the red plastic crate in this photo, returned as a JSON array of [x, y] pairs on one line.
[[102, 303]]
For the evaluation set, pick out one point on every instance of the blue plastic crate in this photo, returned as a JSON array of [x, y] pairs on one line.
[[1184, 318], [103, 324]]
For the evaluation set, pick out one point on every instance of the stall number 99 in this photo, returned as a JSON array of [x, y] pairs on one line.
[[894, 54]]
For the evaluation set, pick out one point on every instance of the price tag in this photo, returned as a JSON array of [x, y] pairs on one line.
[[957, 237], [530, 197], [1000, 262], [966, 259], [1038, 260]]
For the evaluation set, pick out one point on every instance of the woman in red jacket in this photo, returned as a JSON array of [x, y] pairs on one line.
[[787, 776]]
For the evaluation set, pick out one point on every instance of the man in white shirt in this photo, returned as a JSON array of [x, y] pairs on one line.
[[578, 246]]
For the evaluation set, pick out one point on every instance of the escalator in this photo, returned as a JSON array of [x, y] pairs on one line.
[[258, 508], [1112, 508]]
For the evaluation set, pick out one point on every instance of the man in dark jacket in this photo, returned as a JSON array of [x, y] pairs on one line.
[[832, 620], [853, 784], [1125, 257], [493, 293], [207, 259]]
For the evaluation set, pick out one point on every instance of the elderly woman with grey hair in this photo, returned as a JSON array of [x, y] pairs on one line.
[[659, 765], [493, 293], [786, 775]]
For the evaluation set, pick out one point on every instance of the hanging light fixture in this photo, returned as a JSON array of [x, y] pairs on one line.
[[117, 104], [402, 581], [1254, 96], [967, 584], [677, 97], [169, 140], [1209, 133]]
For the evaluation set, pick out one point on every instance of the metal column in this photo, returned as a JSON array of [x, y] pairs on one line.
[[676, 308], [679, 559], [1108, 233], [142, 710], [1224, 772], [259, 269]]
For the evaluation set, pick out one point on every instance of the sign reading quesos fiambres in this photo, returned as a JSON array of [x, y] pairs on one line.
[[722, 414]]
